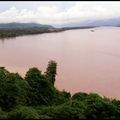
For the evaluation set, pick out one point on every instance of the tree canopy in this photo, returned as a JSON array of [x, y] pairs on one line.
[[35, 97]]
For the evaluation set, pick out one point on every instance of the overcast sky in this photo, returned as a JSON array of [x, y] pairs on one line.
[[58, 12]]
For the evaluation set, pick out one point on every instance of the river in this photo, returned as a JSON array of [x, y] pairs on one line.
[[88, 61]]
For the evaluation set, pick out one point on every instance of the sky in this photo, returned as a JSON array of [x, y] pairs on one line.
[[59, 12]]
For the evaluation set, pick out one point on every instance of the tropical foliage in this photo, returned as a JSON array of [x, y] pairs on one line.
[[35, 97]]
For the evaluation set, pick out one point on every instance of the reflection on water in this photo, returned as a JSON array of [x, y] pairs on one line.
[[87, 61]]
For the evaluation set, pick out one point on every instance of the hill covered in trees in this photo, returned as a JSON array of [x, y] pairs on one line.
[[15, 25], [35, 97], [17, 29]]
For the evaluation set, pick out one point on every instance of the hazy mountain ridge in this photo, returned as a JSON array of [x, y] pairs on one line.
[[85, 23], [15, 25], [92, 22], [17, 29]]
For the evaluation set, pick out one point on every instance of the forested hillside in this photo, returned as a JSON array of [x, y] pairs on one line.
[[8, 30]]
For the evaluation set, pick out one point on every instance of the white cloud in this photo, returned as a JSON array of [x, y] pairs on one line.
[[53, 15]]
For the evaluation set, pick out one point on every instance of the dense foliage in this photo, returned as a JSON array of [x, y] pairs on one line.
[[6, 33], [17, 29], [35, 97], [51, 71]]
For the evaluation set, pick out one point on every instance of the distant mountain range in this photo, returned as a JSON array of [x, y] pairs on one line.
[[86, 23], [100, 22], [17, 29], [15, 25]]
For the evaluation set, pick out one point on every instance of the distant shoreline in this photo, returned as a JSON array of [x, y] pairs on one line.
[[11, 33]]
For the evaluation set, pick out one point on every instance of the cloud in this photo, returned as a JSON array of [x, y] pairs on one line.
[[80, 11]]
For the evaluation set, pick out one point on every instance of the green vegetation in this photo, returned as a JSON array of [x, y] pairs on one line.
[[18, 29], [6, 33], [35, 97], [51, 71]]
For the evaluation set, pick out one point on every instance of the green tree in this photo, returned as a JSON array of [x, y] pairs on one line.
[[51, 71], [23, 112], [11, 89], [33, 76], [79, 96], [41, 90], [101, 109], [3, 115]]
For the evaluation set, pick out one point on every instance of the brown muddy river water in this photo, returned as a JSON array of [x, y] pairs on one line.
[[87, 61]]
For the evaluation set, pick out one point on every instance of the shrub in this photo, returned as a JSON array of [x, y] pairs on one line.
[[22, 112], [3, 115], [11, 89]]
